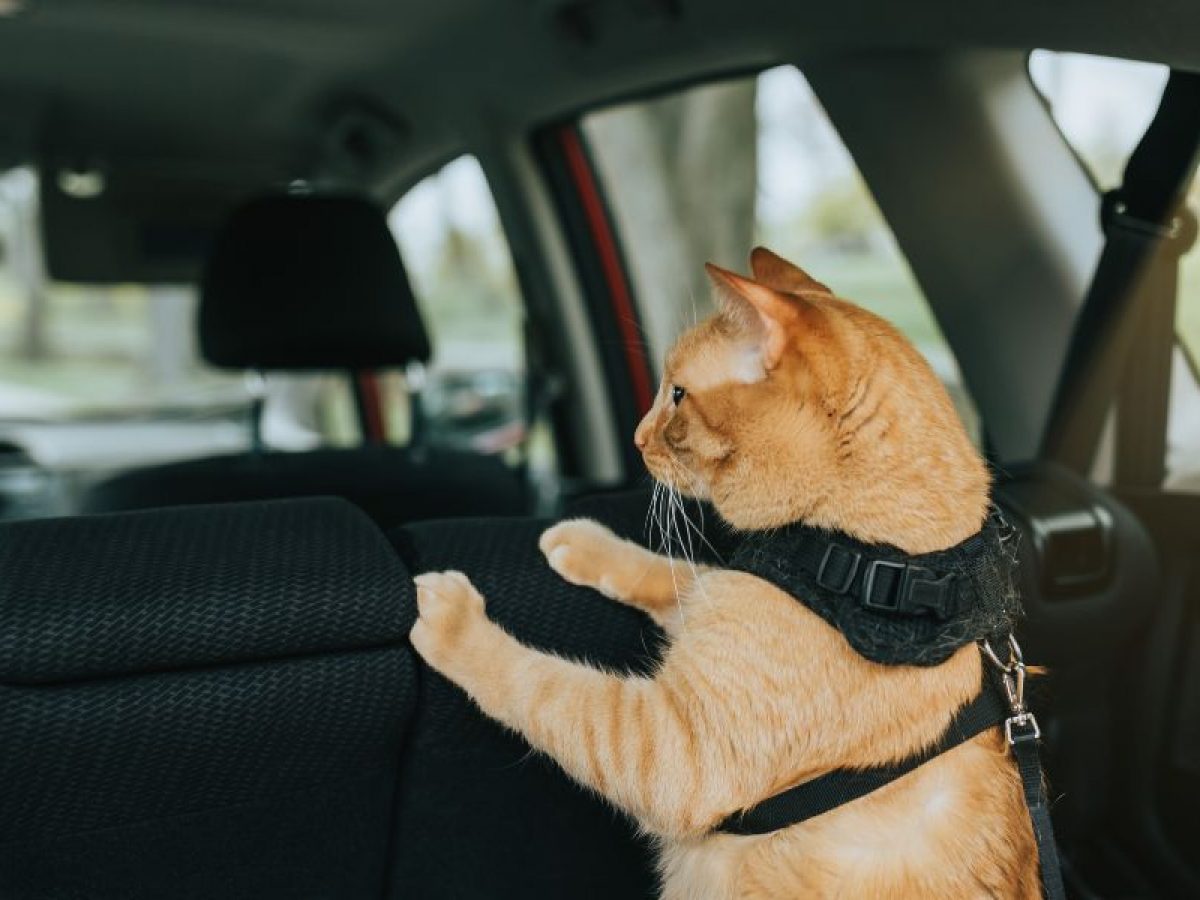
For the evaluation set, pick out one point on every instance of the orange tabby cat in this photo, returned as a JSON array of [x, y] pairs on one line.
[[788, 404]]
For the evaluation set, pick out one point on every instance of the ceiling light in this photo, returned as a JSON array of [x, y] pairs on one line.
[[82, 184]]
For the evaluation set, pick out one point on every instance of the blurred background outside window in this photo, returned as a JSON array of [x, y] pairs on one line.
[[98, 378], [94, 378], [707, 173]]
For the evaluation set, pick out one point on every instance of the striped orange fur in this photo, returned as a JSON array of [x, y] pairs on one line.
[[795, 405]]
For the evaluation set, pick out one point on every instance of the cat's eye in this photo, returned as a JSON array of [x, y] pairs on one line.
[[677, 394]]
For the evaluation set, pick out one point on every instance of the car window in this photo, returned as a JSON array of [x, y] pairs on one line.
[[705, 173], [458, 260], [95, 379], [1102, 107], [99, 377], [68, 349]]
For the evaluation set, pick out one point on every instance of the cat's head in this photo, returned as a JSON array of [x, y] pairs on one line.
[[791, 404]]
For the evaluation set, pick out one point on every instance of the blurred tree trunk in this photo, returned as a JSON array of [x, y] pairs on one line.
[[681, 175], [172, 352], [24, 252]]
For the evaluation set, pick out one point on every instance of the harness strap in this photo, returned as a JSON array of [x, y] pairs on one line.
[[990, 708], [827, 792]]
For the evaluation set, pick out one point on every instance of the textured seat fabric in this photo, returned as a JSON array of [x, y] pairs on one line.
[[480, 815], [391, 484], [203, 702]]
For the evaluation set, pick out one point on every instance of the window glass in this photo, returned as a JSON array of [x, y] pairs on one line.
[[94, 379], [461, 269], [707, 173], [1102, 106], [69, 349], [458, 260]]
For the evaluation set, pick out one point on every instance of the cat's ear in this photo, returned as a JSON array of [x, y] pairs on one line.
[[776, 272], [768, 311]]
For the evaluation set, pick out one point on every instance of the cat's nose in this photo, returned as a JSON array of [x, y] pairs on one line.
[[640, 435]]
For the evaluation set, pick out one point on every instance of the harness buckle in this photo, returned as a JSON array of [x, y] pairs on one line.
[[845, 559], [1022, 727], [913, 589]]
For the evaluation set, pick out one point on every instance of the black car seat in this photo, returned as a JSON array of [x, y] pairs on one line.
[[220, 701], [298, 282], [201, 702]]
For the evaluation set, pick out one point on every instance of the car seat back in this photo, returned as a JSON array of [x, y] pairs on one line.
[[201, 702]]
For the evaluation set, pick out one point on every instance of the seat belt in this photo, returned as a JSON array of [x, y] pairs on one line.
[[1131, 301]]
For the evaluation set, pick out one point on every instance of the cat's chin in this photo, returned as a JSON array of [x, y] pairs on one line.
[[693, 489], [688, 492]]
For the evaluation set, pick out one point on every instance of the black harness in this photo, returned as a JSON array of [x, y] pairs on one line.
[[898, 609], [893, 608]]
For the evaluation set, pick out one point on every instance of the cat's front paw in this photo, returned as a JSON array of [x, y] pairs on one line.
[[451, 617], [581, 551]]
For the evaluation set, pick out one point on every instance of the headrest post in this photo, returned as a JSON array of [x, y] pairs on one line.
[[368, 405], [414, 383], [256, 388]]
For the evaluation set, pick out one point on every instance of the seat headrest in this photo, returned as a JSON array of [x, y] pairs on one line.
[[308, 282]]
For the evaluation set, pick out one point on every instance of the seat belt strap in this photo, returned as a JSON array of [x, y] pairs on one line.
[[1146, 231]]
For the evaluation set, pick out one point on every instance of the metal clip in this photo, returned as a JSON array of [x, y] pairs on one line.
[[1028, 725], [1021, 725]]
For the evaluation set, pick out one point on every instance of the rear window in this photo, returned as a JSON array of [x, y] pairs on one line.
[[67, 350], [95, 378]]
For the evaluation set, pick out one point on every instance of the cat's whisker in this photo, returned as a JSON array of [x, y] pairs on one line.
[[648, 522], [670, 531], [687, 549], [675, 506], [661, 513], [693, 482], [696, 575], [672, 523]]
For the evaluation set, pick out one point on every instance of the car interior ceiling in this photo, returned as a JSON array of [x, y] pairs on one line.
[[206, 680]]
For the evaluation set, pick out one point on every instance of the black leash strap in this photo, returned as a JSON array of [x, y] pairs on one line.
[[1132, 296], [1023, 735], [1025, 751]]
